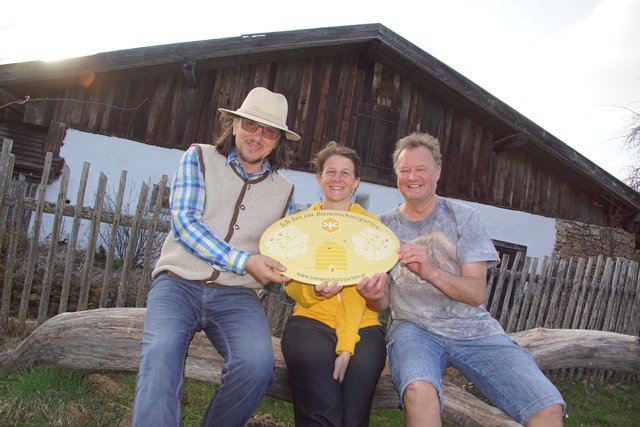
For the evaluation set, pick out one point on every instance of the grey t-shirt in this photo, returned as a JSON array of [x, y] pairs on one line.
[[453, 236]]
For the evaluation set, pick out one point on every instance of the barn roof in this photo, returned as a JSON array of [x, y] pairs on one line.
[[370, 42]]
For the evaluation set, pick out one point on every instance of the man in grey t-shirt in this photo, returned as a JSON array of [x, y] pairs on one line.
[[436, 294]]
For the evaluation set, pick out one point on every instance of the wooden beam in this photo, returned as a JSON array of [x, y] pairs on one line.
[[189, 72], [368, 58], [55, 136], [508, 142]]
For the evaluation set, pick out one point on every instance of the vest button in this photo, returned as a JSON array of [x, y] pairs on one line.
[[237, 227], [241, 207]]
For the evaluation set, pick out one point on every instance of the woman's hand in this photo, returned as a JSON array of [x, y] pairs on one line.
[[340, 365], [327, 289]]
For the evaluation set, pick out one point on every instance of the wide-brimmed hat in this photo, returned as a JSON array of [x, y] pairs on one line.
[[267, 108]]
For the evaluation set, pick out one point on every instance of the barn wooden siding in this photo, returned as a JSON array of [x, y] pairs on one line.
[[367, 105]]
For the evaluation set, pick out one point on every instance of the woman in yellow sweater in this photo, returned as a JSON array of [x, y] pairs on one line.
[[334, 346]]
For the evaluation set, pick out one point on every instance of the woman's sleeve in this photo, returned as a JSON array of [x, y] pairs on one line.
[[302, 294], [348, 319]]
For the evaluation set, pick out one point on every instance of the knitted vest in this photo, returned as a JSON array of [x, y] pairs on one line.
[[235, 209]]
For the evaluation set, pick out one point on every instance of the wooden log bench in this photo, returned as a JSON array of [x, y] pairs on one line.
[[109, 340]]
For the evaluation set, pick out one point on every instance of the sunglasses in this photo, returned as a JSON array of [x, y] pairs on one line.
[[267, 131]]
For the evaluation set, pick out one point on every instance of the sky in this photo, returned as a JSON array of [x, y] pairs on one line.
[[570, 66]]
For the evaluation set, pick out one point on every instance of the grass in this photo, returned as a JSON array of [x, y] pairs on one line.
[[602, 403], [48, 396]]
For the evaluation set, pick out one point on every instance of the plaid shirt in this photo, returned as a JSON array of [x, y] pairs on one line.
[[187, 207]]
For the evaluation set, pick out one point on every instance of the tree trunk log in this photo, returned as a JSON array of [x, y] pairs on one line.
[[581, 348], [109, 339]]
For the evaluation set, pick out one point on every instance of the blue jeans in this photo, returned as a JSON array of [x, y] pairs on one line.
[[505, 372], [235, 323], [309, 348]]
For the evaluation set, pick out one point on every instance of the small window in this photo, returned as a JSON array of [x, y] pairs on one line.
[[511, 249]]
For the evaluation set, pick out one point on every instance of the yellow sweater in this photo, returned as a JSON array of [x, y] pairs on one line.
[[346, 312]]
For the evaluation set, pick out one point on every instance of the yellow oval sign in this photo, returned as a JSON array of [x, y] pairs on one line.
[[330, 245]]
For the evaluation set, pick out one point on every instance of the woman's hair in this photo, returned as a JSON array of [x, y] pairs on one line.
[[280, 157], [332, 149], [416, 140]]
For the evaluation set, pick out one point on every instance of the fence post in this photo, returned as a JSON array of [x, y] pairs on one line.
[[117, 216], [613, 306], [627, 311], [597, 311], [33, 246], [573, 298], [73, 239], [545, 292], [516, 307], [153, 227], [7, 161], [492, 298], [513, 273], [85, 286], [536, 294], [11, 255], [131, 245], [45, 291], [528, 296], [552, 308], [591, 294]]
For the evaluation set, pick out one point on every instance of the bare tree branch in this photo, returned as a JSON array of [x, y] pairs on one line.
[[632, 144]]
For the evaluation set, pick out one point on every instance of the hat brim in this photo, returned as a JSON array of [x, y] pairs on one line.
[[292, 136]]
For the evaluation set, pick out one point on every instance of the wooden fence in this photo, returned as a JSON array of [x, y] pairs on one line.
[[57, 264], [57, 276]]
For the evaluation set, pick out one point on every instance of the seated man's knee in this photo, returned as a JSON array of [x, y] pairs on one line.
[[256, 366], [421, 393], [163, 348]]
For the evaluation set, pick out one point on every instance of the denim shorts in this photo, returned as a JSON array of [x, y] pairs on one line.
[[505, 372]]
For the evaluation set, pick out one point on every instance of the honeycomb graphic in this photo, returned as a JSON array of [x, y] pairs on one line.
[[331, 256]]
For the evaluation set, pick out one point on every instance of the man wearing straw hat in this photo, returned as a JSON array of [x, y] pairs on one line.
[[223, 197]]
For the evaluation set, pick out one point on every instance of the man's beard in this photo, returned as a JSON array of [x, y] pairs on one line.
[[259, 160]]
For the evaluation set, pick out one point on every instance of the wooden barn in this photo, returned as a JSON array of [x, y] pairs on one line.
[[363, 86]]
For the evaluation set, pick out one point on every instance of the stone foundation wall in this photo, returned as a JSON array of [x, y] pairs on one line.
[[577, 239]]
